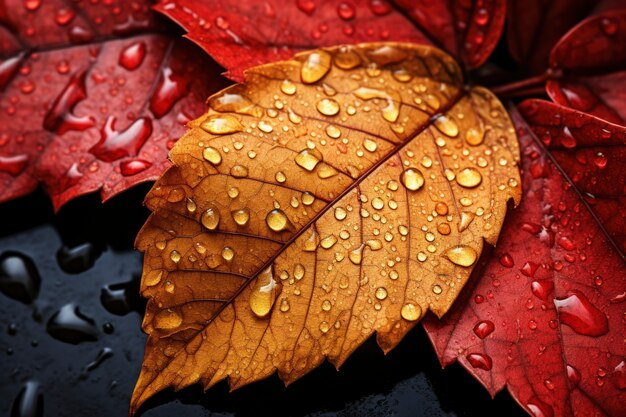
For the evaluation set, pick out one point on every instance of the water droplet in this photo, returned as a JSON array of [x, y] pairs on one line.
[[210, 219], [573, 375], [307, 198], [411, 312], [191, 205], [132, 55], [333, 131], [115, 144], [437, 289], [484, 328], [239, 171], [310, 245], [328, 106], [284, 305], [277, 220], [228, 253], [103, 355], [381, 293], [265, 290], [31, 6], [212, 155], [324, 327], [346, 10], [175, 256], [326, 171], [391, 111], [461, 255], [308, 159], [176, 195], [474, 137], [221, 124], [447, 126], [480, 361], [441, 208], [326, 305], [609, 26], [340, 213], [64, 16], [315, 67], [265, 126], [328, 242], [69, 325], [347, 58], [167, 320], [506, 261], [469, 178], [61, 118], [288, 87], [539, 409], [29, 401], [356, 255], [619, 376], [19, 278], [241, 216], [466, 219], [412, 179], [444, 228], [77, 259], [584, 318], [370, 145], [542, 289], [134, 166], [170, 88], [298, 272], [378, 203]]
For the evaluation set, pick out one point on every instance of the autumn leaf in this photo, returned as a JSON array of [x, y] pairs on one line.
[[344, 192], [592, 58], [546, 317], [535, 26], [92, 96], [240, 35]]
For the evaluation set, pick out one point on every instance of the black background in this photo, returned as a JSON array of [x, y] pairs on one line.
[[407, 382]]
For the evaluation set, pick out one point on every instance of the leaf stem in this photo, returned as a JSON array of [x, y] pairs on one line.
[[520, 88]]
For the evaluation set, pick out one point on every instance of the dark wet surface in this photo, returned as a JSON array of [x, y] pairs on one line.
[[88, 269]]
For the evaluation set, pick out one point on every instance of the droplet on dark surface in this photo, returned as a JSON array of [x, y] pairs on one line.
[[79, 258], [60, 118], [29, 401], [103, 355], [581, 315], [122, 298], [19, 278], [71, 326], [12, 329], [108, 328], [115, 144]]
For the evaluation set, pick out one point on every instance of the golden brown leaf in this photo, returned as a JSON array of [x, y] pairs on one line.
[[344, 192]]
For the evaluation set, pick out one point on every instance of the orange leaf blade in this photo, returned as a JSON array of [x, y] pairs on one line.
[[345, 192]]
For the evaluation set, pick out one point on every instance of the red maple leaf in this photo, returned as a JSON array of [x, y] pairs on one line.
[[242, 34], [546, 317], [92, 96]]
